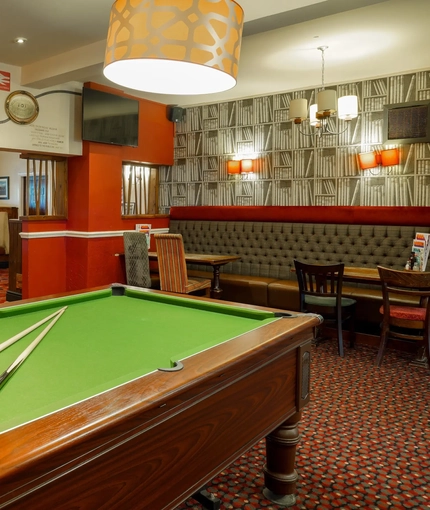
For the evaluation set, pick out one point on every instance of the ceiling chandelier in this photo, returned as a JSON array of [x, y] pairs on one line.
[[324, 109], [174, 46]]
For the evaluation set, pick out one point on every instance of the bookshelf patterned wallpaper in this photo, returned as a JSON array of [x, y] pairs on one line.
[[291, 168]]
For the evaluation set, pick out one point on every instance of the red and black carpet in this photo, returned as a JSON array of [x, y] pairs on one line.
[[365, 439]]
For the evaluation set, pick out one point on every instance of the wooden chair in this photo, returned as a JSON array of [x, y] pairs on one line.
[[405, 308], [136, 259], [173, 268], [320, 289]]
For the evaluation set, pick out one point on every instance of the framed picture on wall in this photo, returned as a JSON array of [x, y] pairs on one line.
[[4, 188]]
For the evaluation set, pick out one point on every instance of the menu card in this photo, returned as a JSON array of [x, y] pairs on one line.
[[145, 228], [421, 249]]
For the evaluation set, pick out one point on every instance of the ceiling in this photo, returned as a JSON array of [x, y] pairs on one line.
[[365, 38]]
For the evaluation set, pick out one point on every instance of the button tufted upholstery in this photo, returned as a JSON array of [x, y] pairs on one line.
[[267, 250]]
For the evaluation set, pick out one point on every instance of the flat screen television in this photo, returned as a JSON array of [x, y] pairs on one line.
[[407, 122], [108, 118]]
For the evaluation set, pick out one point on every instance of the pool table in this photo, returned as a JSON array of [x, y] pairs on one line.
[[136, 398]]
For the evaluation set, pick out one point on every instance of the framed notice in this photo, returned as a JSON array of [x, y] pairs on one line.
[[4, 188]]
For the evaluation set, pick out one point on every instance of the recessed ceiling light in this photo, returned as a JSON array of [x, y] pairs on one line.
[[20, 40]]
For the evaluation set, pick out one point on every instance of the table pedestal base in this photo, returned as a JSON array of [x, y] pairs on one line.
[[215, 288]]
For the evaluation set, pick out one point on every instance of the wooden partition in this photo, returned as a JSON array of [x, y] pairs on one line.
[[45, 186], [14, 291]]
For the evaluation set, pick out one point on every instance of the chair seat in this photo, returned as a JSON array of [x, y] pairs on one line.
[[404, 322], [328, 301], [197, 284], [409, 313]]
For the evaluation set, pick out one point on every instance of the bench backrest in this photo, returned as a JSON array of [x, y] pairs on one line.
[[268, 248]]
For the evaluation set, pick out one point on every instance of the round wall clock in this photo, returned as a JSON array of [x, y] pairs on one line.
[[21, 107]]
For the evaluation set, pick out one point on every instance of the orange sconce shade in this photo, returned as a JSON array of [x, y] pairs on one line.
[[367, 160], [390, 157], [247, 165], [233, 167]]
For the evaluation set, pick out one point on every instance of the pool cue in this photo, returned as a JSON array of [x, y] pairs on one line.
[[17, 337], [26, 352]]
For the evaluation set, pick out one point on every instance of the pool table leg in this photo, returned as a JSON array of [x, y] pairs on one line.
[[280, 477]]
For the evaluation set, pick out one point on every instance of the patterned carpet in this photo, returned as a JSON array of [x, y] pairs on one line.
[[365, 439]]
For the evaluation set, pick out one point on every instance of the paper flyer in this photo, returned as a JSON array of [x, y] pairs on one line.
[[145, 228]]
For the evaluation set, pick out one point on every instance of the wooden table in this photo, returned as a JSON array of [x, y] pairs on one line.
[[368, 275], [207, 259]]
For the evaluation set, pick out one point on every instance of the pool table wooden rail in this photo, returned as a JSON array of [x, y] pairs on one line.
[[154, 441]]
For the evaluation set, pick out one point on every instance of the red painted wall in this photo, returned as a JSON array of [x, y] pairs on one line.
[[43, 259], [415, 216], [63, 263]]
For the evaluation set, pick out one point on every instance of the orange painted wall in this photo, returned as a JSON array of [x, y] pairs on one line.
[[43, 260], [59, 264]]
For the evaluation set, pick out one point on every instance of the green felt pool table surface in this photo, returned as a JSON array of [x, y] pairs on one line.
[[104, 340], [136, 398]]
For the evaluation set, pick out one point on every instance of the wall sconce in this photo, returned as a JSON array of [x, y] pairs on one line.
[[246, 166], [242, 166], [390, 157], [373, 159], [233, 167], [367, 160]]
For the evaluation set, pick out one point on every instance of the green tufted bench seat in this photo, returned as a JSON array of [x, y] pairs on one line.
[[267, 249]]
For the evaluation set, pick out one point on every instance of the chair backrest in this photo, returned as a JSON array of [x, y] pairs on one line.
[[323, 281], [136, 259], [171, 262], [404, 284]]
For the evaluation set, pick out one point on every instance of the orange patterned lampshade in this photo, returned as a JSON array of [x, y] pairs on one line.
[[233, 167], [174, 46]]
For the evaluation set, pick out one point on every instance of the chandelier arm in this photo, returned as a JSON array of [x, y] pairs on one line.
[[329, 131], [305, 134]]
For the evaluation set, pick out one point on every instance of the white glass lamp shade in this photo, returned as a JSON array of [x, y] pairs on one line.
[[247, 166], [174, 46], [298, 110], [313, 115], [367, 160], [347, 107], [326, 101]]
